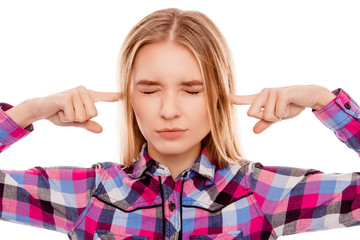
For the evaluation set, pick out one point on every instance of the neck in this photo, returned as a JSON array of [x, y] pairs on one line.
[[176, 163]]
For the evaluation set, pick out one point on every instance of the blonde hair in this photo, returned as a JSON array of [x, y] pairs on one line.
[[199, 34]]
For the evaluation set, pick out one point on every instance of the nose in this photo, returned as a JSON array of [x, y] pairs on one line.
[[170, 106]]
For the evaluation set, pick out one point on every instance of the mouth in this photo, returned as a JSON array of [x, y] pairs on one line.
[[170, 129], [171, 133]]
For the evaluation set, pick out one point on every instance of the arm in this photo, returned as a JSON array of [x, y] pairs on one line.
[[272, 105], [298, 200], [74, 107], [342, 116], [10, 132], [51, 198]]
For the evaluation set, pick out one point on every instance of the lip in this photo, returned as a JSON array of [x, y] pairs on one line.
[[170, 129], [171, 133]]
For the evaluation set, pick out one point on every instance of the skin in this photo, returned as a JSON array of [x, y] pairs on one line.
[[167, 92], [71, 108], [272, 105]]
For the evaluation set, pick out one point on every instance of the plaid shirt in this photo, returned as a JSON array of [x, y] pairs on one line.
[[242, 201]]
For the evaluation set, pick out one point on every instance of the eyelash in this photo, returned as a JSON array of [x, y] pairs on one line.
[[190, 92]]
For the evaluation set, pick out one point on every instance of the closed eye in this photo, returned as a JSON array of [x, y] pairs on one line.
[[189, 92], [149, 92], [193, 93]]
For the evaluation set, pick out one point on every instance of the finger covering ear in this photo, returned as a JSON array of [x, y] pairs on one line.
[[242, 99], [106, 96]]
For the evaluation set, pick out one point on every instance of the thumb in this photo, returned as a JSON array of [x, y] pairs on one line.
[[261, 125], [90, 125]]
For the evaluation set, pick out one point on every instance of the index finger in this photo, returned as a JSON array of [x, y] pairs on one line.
[[243, 99], [105, 96]]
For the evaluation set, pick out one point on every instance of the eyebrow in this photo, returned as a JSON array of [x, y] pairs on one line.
[[183, 83]]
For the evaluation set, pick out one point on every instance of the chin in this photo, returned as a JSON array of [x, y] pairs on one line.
[[172, 148]]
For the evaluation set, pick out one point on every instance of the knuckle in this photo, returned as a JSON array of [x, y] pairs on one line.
[[265, 90], [285, 92], [266, 117], [65, 118], [274, 119], [70, 117], [93, 114], [278, 115], [73, 93], [269, 117], [274, 91], [252, 113], [61, 116], [282, 92], [81, 119], [80, 88], [74, 90]]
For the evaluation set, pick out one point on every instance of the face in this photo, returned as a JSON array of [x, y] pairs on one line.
[[168, 99]]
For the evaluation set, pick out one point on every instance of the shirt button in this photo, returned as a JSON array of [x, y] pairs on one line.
[[347, 106], [172, 206], [185, 174]]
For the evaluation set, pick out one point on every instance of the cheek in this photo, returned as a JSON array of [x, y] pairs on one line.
[[198, 112], [138, 108], [144, 112], [205, 117]]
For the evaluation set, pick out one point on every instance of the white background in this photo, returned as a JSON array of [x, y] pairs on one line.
[[51, 46]]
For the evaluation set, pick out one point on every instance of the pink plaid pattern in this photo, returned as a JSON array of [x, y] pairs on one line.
[[243, 201], [10, 132]]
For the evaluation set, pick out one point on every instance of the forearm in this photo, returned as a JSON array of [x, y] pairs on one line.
[[324, 97], [10, 132], [23, 114]]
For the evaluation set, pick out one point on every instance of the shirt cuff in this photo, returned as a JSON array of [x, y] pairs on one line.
[[340, 111], [10, 132]]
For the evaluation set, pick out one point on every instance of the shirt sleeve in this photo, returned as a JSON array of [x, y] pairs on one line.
[[341, 116], [10, 132], [298, 200], [51, 198]]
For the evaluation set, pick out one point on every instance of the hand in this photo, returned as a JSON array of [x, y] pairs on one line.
[[272, 105], [74, 107]]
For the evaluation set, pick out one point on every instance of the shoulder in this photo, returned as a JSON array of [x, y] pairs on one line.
[[277, 175], [235, 174]]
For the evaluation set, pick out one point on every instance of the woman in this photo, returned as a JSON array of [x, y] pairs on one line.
[[183, 176]]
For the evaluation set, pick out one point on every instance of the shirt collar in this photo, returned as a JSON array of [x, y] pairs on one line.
[[202, 164], [143, 163]]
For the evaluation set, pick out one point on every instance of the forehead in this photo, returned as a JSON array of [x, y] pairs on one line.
[[165, 61]]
